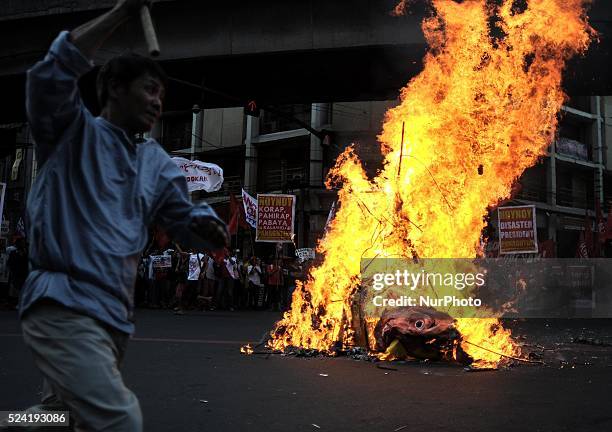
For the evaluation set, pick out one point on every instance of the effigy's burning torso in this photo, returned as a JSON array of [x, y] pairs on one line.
[[483, 109]]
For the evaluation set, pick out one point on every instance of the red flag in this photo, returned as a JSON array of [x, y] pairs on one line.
[[237, 218], [161, 238], [219, 255], [232, 226]]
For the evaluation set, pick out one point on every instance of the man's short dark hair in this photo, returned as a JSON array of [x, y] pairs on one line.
[[124, 69]]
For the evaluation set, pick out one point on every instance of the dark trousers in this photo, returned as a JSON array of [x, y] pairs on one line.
[[225, 293]]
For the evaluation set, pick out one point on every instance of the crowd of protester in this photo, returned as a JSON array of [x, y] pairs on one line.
[[196, 280], [190, 280]]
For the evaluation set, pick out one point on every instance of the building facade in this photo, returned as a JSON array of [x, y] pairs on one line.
[[321, 64], [273, 154]]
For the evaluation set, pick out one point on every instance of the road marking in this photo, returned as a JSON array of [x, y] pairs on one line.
[[200, 341], [144, 339]]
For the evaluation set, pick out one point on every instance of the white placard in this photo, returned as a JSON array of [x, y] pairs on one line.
[[305, 254]]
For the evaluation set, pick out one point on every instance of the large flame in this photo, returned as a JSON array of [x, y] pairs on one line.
[[482, 111]]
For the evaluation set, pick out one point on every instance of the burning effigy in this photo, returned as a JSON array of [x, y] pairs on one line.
[[420, 333], [484, 108]]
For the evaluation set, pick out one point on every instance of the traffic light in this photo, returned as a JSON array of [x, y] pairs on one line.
[[251, 109]]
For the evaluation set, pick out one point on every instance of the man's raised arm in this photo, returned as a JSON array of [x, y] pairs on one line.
[[89, 37], [53, 102]]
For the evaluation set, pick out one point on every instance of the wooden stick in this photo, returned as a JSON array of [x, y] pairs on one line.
[[504, 355], [399, 167], [149, 31]]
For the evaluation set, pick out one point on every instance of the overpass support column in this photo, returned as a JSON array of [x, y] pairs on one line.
[[250, 162], [318, 117], [197, 122]]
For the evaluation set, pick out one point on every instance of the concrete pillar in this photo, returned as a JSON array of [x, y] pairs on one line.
[[301, 222], [318, 117], [318, 120], [196, 131], [598, 153], [551, 195], [250, 163]]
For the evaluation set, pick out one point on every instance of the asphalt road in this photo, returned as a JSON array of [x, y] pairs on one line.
[[190, 376]]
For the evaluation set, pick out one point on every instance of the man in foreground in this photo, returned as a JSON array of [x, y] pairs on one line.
[[97, 191]]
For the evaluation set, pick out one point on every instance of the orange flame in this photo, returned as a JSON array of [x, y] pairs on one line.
[[482, 111], [246, 349]]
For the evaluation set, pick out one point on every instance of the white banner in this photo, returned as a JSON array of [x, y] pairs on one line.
[[250, 208], [200, 175], [194, 266], [305, 254]]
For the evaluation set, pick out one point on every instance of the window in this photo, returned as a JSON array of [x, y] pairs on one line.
[[176, 131], [274, 122]]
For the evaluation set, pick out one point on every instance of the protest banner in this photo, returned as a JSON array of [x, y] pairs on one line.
[[250, 208], [200, 175], [160, 266], [275, 218], [517, 230], [305, 254], [161, 261], [194, 267]]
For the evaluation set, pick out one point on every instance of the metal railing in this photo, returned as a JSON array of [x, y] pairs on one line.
[[282, 179], [568, 198], [532, 192]]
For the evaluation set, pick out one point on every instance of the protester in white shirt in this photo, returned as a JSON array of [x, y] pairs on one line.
[[256, 287]]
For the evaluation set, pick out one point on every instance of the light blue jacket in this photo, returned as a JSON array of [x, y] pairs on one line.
[[96, 193]]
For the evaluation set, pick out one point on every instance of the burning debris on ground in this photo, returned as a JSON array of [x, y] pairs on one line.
[[361, 354]]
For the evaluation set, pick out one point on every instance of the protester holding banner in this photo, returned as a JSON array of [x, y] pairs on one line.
[[274, 281], [244, 283], [222, 296], [233, 267], [210, 281], [181, 270], [256, 287]]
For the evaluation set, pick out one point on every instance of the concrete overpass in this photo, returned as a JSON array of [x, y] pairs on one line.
[[277, 51]]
